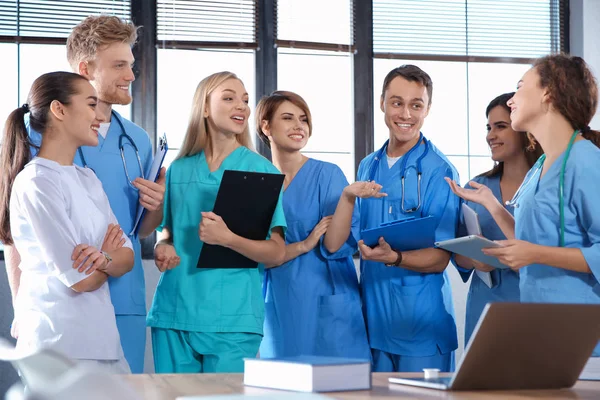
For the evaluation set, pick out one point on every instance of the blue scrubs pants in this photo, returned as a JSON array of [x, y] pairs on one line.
[[132, 330], [387, 362], [178, 351]]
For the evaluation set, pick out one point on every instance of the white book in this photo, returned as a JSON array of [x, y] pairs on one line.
[[308, 373]]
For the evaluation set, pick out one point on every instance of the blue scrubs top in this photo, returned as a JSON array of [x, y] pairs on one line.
[[409, 313], [505, 282], [128, 293], [312, 303], [537, 220], [195, 299]]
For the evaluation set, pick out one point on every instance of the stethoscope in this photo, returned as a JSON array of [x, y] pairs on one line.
[[379, 155], [561, 186], [122, 137]]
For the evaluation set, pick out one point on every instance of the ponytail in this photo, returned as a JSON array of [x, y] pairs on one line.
[[14, 155], [16, 147], [591, 135]]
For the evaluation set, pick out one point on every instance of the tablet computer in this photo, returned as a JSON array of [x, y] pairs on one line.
[[470, 246]]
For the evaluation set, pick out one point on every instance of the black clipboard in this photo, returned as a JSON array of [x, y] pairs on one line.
[[246, 201]]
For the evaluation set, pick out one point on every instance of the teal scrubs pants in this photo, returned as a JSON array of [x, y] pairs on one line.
[[177, 351]]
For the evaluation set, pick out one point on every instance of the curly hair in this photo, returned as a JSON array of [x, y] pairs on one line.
[[572, 89], [96, 33]]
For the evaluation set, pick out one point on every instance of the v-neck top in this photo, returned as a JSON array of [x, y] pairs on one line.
[[207, 300], [54, 208]]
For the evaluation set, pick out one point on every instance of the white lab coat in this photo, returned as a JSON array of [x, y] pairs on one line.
[[53, 208]]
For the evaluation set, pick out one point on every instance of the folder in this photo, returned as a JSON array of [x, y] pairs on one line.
[[405, 234], [159, 158], [246, 201]]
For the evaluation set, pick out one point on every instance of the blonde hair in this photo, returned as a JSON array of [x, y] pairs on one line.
[[197, 137], [95, 33]]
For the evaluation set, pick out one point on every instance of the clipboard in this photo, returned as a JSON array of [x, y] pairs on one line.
[[470, 246], [405, 234], [246, 201], [157, 162]]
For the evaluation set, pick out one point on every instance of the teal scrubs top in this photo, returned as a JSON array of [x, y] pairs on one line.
[[409, 313], [505, 282], [127, 293], [207, 300], [537, 220]]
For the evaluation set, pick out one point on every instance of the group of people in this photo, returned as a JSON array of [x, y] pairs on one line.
[[73, 179]]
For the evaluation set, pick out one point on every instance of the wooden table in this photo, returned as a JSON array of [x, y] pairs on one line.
[[169, 386]]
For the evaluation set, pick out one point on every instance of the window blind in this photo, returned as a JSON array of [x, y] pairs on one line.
[[231, 21], [53, 18], [316, 21], [484, 28]]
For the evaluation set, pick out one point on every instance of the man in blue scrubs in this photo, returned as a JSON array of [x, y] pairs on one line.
[[99, 48], [406, 294]]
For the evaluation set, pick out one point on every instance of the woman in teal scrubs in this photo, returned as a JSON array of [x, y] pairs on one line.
[[209, 320], [554, 238], [514, 154], [312, 300]]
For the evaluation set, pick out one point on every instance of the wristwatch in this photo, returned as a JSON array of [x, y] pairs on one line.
[[108, 258], [398, 260]]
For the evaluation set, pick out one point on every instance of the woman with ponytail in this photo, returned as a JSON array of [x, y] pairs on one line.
[[554, 238], [59, 220]]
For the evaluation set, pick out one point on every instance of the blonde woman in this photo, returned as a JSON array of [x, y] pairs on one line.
[[209, 320]]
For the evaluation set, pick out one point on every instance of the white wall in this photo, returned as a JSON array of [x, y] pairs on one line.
[[584, 32]]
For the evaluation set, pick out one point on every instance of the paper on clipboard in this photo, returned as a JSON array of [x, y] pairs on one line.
[[473, 228], [157, 162]]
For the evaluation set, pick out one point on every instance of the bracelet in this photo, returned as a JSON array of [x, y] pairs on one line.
[[107, 257], [398, 260]]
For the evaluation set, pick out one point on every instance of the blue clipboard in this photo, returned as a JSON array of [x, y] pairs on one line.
[[159, 158], [403, 235]]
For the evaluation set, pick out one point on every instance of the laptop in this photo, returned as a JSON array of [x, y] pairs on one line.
[[519, 346]]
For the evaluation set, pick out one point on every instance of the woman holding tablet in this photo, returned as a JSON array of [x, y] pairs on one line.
[[514, 154], [554, 239]]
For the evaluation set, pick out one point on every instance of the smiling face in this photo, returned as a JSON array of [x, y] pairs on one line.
[[528, 103], [405, 105], [288, 130], [505, 143], [111, 73], [80, 119], [227, 108]]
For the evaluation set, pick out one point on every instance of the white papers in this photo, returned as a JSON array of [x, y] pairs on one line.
[[159, 158]]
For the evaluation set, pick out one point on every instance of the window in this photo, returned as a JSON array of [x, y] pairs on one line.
[[456, 122], [175, 91], [9, 80], [299, 21], [200, 37], [53, 18], [223, 21], [314, 59], [323, 79], [474, 50], [485, 28]]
